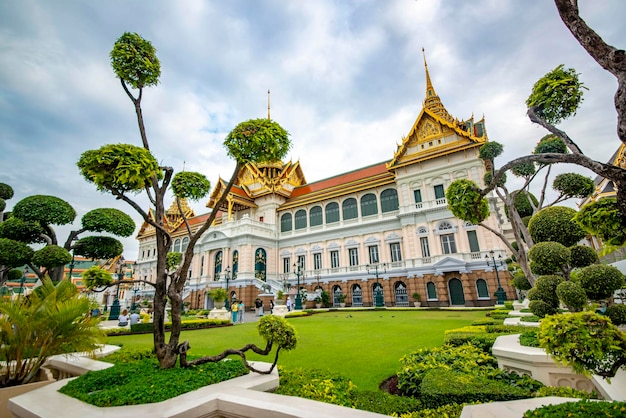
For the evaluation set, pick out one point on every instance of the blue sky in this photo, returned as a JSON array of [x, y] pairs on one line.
[[346, 80]]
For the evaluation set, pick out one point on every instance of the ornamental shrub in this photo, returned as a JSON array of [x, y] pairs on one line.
[[543, 298], [440, 387], [572, 295], [446, 411], [384, 403], [319, 385], [600, 281], [555, 223], [582, 256], [580, 409], [617, 313], [586, 341], [565, 392]]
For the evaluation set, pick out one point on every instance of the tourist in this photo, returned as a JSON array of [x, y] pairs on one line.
[[234, 309], [123, 319], [134, 318], [241, 310], [288, 304], [272, 306]]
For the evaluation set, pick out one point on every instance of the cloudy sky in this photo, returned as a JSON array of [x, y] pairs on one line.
[[346, 80]]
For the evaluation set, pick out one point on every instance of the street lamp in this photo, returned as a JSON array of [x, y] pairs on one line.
[[297, 268], [133, 305], [378, 298], [227, 276], [115, 307], [22, 282], [500, 293]]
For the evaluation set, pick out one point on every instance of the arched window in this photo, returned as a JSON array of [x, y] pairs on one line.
[[389, 200], [217, 267], [357, 295], [285, 222], [260, 263], [349, 209], [402, 297], [336, 295], [369, 205], [177, 245], [235, 263], [332, 212], [431, 290], [481, 289], [300, 219], [315, 216], [185, 244]]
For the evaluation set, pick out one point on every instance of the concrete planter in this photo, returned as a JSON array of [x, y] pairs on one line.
[[11, 392]]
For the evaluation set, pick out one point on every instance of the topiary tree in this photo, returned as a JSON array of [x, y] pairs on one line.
[[124, 169], [555, 224], [600, 281], [604, 220], [543, 298], [585, 341], [617, 313], [572, 295], [549, 258], [582, 256], [32, 222]]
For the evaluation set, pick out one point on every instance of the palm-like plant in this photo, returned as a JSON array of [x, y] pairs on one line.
[[52, 320]]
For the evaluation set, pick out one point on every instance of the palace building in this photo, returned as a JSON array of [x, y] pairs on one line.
[[382, 228]]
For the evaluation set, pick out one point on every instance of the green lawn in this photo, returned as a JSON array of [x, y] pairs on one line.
[[364, 346]]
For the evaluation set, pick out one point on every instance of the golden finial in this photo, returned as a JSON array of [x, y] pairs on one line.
[[268, 104], [430, 91]]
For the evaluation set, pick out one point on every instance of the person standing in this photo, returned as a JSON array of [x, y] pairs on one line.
[[134, 318], [241, 309], [271, 306], [288, 304], [234, 309]]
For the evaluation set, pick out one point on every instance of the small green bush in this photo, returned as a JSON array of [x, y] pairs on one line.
[[529, 338], [564, 392], [617, 313], [600, 281], [445, 411], [532, 318], [582, 256], [572, 295], [541, 308], [319, 385], [440, 387], [487, 321], [580, 409], [385, 403]]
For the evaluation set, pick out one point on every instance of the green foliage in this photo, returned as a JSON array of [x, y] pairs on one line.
[[543, 297], [550, 144], [414, 366], [582, 256], [52, 320], [580, 409], [15, 275], [3, 204], [51, 256], [617, 313], [564, 392], [325, 296], [278, 331], [529, 338], [524, 169], [190, 324], [6, 191], [257, 140], [573, 185], [555, 223], [520, 281], [446, 411], [465, 201], [173, 260], [440, 387], [548, 257], [490, 150], [135, 62], [384, 403], [600, 281], [98, 247], [586, 341], [119, 167], [96, 276], [522, 204], [46, 210], [318, 385], [29, 232], [557, 95], [14, 253], [190, 185], [488, 177], [143, 381], [572, 295], [603, 219], [109, 220], [541, 308], [218, 294]]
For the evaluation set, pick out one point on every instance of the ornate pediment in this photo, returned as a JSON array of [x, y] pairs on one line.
[[271, 178]]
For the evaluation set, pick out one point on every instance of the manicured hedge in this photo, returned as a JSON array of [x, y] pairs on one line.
[[440, 387], [581, 409], [143, 327]]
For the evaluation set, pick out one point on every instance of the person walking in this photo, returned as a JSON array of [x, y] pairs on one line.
[[288, 304], [241, 309], [234, 311]]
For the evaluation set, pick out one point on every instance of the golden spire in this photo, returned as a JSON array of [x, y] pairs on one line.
[[268, 104], [432, 101], [430, 90]]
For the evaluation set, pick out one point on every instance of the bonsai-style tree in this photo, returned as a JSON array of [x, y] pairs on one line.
[[125, 170], [51, 320], [31, 223]]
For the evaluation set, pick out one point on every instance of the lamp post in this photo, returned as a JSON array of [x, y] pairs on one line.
[[133, 305], [22, 282], [378, 297], [500, 293], [297, 268], [227, 276], [115, 307]]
